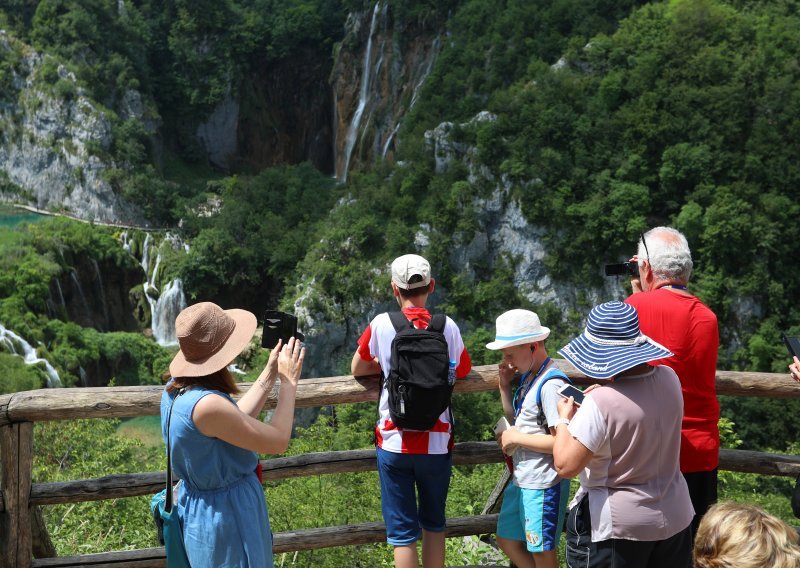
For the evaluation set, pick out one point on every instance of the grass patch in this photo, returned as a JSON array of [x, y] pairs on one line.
[[146, 429]]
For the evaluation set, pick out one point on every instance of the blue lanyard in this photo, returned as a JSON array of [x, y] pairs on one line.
[[676, 286], [524, 387]]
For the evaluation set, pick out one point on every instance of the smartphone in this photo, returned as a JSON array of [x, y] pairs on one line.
[[501, 426], [570, 391], [279, 325], [792, 344], [630, 268]]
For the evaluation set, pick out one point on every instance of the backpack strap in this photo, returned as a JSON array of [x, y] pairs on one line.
[[438, 321], [399, 321], [541, 419]]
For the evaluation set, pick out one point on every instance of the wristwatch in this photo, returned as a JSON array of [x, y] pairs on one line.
[[561, 421]]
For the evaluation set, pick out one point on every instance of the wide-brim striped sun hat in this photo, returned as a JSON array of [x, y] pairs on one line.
[[612, 343]]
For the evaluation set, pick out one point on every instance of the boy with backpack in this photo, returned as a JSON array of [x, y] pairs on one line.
[[535, 500], [419, 356]]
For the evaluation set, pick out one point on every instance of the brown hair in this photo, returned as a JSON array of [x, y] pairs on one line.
[[414, 292], [736, 535], [221, 380]]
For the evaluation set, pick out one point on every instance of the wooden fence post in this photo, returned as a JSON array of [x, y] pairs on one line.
[[16, 459]]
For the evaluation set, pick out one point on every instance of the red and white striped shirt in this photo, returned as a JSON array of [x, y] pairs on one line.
[[376, 342]]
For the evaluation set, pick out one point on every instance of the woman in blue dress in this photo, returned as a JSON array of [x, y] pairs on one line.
[[215, 441]]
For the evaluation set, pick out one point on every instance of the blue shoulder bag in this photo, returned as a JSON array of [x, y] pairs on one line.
[[166, 518]]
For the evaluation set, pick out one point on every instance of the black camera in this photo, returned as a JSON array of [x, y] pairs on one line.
[[630, 268], [279, 325]]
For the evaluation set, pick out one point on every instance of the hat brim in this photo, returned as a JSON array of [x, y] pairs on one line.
[[244, 328], [500, 343], [607, 361]]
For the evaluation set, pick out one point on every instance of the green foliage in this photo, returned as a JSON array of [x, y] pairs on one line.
[[265, 226], [80, 449], [16, 375]]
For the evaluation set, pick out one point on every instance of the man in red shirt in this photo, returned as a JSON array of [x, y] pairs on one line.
[[672, 316]]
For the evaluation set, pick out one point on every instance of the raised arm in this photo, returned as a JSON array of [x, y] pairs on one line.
[[253, 400], [216, 417]]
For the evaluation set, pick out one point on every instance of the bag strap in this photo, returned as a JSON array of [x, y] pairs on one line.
[[400, 321], [168, 496], [541, 420], [438, 321]]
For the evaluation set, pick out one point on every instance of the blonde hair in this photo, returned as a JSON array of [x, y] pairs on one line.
[[735, 535]]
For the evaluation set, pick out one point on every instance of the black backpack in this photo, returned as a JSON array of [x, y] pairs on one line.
[[419, 382]]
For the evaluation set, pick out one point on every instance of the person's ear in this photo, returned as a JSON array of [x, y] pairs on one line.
[[431, 286]]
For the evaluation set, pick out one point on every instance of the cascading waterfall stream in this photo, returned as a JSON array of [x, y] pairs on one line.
[[99, 282], [165, 305], [18, 346], [352, 131]]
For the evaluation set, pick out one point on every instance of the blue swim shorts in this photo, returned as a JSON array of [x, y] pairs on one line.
[[535, 516], [402, 476]]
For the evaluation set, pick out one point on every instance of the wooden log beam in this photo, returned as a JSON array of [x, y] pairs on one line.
[[290, 541], [141, 558], [16, 459], [352, 461], [303, 465], [761, 463], [127, 402]]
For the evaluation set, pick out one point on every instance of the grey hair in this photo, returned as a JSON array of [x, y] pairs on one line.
[[669, 254]]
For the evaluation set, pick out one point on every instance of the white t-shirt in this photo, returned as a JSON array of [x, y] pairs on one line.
[[376, 342], [633, 427], [535, 470]]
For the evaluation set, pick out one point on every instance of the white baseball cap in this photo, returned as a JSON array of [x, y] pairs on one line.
[[406, 267]]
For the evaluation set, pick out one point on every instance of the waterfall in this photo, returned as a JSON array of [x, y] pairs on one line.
[[352, 131], [61, 295], [14, 343], [165, 304], [76, 284], [389, 140], [99, 282], [82, 374], [165, 310]]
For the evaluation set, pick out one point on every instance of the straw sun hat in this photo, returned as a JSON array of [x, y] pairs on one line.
[[516, 327], [612, 343], [210, 338]]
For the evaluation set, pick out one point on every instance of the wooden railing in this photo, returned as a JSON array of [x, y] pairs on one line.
[[20, 498]]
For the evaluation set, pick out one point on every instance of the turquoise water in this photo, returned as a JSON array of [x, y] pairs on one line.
[[10, 217]]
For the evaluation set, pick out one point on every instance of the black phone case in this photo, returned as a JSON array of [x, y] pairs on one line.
[[277, 325], [793, 345]]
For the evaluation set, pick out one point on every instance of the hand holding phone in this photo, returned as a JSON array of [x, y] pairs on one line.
[[792, 344], [502, 425], [570, 391]]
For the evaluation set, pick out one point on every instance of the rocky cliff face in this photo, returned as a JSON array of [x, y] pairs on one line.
[[286, 112], [51, 143], [332, 327], [378, 70]]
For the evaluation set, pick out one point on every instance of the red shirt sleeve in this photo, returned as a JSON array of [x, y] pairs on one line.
[[363, 344], [464, 365]]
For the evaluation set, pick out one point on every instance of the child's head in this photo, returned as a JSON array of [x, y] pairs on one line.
[[743, 536]]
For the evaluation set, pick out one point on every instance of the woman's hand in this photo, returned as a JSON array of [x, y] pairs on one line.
[[506, 372], [567, 408], [794, 369], [290, 361]]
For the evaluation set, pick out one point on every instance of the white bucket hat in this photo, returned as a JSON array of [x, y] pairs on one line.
[[517, 327]]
